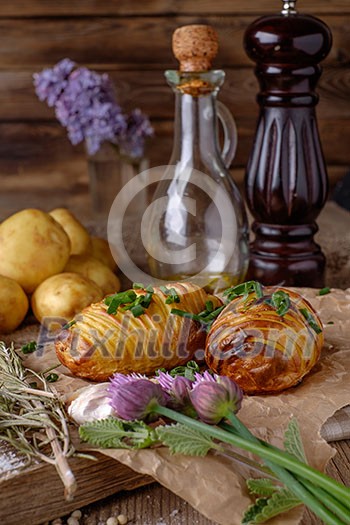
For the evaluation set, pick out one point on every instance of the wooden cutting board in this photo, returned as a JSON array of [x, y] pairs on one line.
[[35, 494]]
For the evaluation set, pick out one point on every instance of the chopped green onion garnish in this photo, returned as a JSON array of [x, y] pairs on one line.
[[206, 317], [244, 290], [138, 286], [51, 378], [182, 313], [187, 371], [172, 296], [280, 300], [68, 325], [311, 320], [29, 348], [128, 300], [114, 301], [137, 310], [324, 291]]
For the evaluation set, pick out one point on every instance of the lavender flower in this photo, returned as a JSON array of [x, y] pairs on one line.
[[136, 398], [88, 109], [51, 82], [213, 400], [132, 140], [86, 105]]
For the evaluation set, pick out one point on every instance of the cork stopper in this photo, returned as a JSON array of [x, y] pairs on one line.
[[195, 47]]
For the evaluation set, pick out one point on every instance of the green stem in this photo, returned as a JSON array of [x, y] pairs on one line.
[[233, 429], [280, 458], [247, 462], [329, 501], [302, 491]]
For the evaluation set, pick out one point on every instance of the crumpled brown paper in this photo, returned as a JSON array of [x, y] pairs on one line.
[[215, 485]]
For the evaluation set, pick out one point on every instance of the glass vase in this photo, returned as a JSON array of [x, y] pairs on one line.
[[109, 170]]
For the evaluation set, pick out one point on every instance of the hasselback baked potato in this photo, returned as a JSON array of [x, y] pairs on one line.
[[266, 339], [135, 331]]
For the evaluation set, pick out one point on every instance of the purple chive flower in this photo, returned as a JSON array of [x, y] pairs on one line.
[[213, 400], [205, 376], [51, 82], [177, 388], [120, 379], [135, 399], [165, 380], [86, 105]]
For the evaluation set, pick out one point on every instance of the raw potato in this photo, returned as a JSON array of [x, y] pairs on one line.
[[13, 305], [78, 235], [93, 269], [33, 246], [64, 295], [101, 251]]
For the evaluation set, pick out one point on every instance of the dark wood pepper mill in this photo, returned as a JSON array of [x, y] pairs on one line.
[[286, 179]]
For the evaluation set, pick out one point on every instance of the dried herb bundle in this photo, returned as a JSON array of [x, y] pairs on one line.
[[32, 418]]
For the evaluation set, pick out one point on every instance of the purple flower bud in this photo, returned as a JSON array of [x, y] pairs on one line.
[[180, 390], [135, 399], [213, 400]]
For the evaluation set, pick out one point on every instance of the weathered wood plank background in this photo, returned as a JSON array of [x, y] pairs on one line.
[[132, 41]]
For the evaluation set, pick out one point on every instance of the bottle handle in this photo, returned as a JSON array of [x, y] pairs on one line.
[[230, 133]]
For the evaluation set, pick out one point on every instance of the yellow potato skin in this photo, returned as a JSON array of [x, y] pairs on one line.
[[93, 269], [79, 237], [100, 250], [64, 295], [13, 305], [33, 246]]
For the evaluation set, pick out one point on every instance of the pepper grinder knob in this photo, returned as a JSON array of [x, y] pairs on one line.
[[195, 47], [289, 7]]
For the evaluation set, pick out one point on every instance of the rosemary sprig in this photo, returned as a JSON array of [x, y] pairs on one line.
[[28, 414]]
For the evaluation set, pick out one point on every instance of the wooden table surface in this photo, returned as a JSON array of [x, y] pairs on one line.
[[155, 505]]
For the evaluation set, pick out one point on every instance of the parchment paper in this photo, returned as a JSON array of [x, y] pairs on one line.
[[215, 485]]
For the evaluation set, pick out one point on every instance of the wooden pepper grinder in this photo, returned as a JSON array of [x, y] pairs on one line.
[[286, 179]]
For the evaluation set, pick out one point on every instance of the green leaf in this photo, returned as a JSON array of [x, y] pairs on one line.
[[116, 433], [293, 442], [261, 486], [184, 440], [311, 320], [254, 510], [266, 508], [280, 300]]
